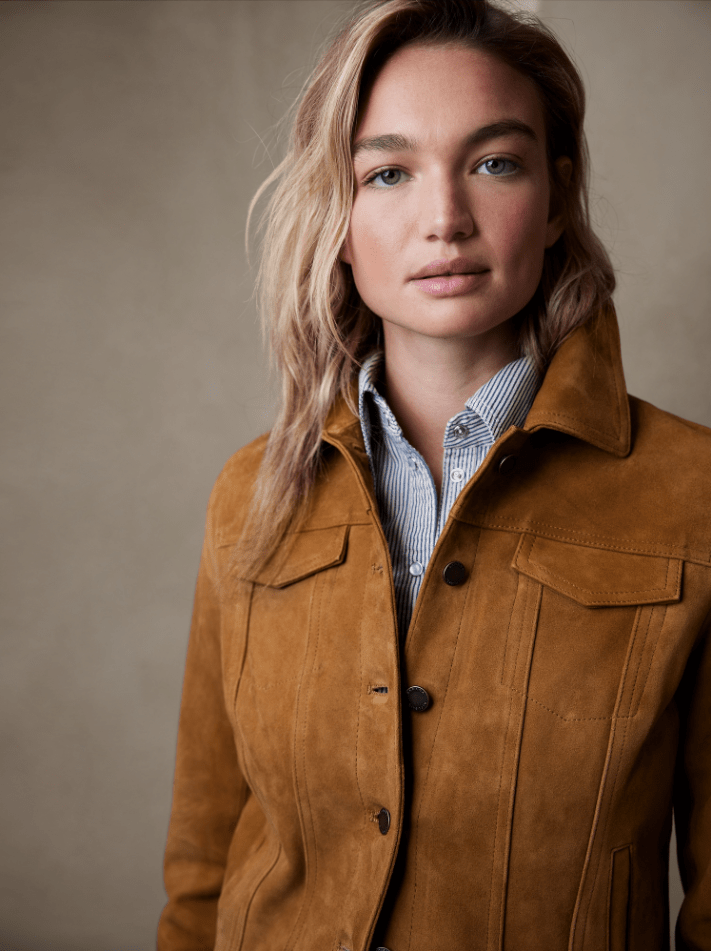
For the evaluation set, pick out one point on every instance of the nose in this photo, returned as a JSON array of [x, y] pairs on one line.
[[446, 213]]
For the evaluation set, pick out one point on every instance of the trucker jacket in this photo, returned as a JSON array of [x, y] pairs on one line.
[[521, 798]]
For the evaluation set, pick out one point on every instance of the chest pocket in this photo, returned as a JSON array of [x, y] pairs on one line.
[[595, 616], [290, 597], [303, 554], [286, 597]]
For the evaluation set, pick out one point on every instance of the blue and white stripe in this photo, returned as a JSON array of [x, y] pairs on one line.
[[411, 514]]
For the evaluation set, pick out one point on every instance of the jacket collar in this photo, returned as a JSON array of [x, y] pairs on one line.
[[583, 393]]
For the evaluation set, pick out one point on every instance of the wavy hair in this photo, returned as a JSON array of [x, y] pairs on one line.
[[317, 327]]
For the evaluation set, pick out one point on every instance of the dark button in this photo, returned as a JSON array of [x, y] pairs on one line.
[[455, 573], [381, 949], [508, 464], [384, 821], [418, 698]]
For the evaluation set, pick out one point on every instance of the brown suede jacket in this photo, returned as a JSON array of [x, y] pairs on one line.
[[522, 800]]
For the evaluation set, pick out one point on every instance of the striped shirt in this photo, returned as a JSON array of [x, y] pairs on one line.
[[410, 511]]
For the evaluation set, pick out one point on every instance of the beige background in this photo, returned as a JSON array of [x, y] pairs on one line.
[[130, 369]]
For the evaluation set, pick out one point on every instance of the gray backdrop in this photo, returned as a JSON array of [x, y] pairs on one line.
[[131, 140]]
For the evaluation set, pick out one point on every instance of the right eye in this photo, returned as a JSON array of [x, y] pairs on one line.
[[385, 178]]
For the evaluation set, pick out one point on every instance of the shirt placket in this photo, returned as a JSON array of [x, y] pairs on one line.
[[458, 462], [422, 538]]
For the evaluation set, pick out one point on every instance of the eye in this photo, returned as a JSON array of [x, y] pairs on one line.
[[497, 166], [385, 178]]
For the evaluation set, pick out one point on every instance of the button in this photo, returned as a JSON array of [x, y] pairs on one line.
[[418, 699], [383, 821], [459, 431], [455, 573], [507, 464], [456, 475], [382, 949], [416, 569]]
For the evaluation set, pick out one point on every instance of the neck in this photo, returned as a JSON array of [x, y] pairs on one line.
[[428, 380]]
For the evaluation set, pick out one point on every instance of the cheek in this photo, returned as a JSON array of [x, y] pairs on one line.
[[372, 247], [520, 227]]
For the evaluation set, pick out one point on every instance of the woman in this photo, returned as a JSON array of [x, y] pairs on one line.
[[445, 677]]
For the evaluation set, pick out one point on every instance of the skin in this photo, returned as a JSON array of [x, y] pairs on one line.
[[439, 196]]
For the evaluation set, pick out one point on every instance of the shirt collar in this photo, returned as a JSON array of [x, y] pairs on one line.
[[583, 393], [506, 398], [503, 401], [368, 379]]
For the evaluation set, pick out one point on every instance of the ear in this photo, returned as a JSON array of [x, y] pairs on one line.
[[562, 172]]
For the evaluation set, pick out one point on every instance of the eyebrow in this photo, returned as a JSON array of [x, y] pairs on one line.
[[394, 142]]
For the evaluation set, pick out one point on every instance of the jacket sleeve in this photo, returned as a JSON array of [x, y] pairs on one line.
[[692, 805], [209, 790]]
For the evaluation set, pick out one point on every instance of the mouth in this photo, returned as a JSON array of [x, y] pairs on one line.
[[450, 268], [451, 278]]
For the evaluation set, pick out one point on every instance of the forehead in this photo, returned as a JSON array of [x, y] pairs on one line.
[[436, 89]]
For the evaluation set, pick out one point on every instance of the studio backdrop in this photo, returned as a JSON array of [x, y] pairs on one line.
[[132, 135]]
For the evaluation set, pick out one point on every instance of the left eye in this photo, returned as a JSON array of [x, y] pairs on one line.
[[497, 166]]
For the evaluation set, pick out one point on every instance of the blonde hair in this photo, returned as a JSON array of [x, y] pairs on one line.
[[317, 327]]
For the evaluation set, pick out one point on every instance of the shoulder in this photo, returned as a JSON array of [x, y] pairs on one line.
[[679, 439], [232, 494], [670, 466]]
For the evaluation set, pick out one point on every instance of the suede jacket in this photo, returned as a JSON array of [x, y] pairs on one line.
[[521, 799]]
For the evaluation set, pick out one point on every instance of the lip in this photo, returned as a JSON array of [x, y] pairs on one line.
[[450, 285], [445, 267]]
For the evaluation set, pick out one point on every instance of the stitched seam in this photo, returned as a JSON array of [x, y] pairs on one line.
[[311, 690], [638, 594], [529, 529], [509, 634], [498, 817], [290, 536], [610, 882], [277, 683], [524, 618], [571, 584], [635, 638], [560, 716], [318, 585], [634, 706], [306, 567], [257, 886], [315, 562], [360, 698], [600, 805], [591, 838], [606, 821], [531, 626], [587, 428], [247, 625]]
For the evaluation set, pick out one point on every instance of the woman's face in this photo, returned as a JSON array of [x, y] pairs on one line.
[[452, 179]]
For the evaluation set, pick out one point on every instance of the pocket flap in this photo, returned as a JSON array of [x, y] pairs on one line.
[[596, 577], [303, 554]]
